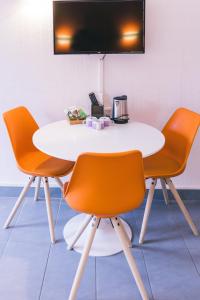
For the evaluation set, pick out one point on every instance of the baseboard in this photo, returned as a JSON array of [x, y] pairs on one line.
[[6, 191]]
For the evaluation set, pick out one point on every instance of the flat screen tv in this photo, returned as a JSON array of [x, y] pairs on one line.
[[108, 26]]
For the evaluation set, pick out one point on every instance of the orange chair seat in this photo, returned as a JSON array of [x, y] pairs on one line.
[[37, 163], [162, 164]]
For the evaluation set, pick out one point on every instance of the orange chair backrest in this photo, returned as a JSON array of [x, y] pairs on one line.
[[107, 184], [21, 126], [180, 132]]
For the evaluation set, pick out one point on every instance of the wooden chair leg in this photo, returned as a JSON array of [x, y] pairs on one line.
[[49, 209], [164, 189], [83, 260], [37, 189], [82, 228], [130, 259], [125, 233], [19, 201], [59, 182], [182, 206], [147, 210]]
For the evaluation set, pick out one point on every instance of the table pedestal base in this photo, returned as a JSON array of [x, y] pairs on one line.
[[105, 242]]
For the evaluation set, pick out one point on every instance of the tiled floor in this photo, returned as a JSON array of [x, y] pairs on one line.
[[32, 269]]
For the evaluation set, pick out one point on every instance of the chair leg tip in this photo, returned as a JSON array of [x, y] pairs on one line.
[[69, 248], [141, 242]]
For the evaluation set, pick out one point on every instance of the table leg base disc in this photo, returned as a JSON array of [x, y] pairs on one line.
[[105, 242]]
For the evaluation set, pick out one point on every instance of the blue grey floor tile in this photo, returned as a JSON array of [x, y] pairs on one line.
[[161, 229], [2, 246], [169, 261], [6, 205], [32, 223], [22, 268], [182, 226], [115, 280], [7, 191], [60, 273], [15, 191], [195, 254], [172, 273]]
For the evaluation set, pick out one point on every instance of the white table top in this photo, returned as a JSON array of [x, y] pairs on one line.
[[65, 141]]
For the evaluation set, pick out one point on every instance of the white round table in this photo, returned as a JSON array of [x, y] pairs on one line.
[[65, 141]]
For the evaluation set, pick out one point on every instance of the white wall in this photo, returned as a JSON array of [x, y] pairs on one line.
[[156, 83]]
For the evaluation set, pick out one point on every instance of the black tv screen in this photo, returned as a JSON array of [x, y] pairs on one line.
[[109, 26]]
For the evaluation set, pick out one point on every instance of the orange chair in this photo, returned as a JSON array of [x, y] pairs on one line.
[[171, 161], [21, 127], [113, 184]]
